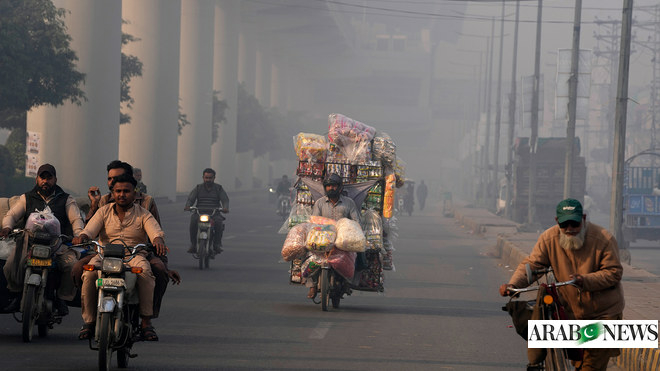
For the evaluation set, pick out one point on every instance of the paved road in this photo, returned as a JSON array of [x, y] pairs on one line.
[[440, 309]]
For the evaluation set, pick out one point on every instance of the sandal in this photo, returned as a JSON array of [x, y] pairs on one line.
[[149, 334], [312, 293], [86, 331]]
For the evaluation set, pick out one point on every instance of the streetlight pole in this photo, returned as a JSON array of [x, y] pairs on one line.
[[512, 119], [572, 101], [531, 200], [498, 114], [486, 154]]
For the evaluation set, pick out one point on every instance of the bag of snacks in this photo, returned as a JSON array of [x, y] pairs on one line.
[[350, 236], [310, 147], [295, 242], [384, 149], [321, 237], [388, 199]]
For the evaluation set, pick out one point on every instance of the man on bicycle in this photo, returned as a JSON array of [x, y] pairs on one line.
[[580, 250], [208, 196]]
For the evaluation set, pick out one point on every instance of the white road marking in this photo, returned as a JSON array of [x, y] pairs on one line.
[[320, 331]]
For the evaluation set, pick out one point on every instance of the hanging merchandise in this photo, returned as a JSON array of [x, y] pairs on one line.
[[373, 229], [310, 147], [295, 242], [388, 200], [299, 213], [321, 237], [384, 149], [343, 262]]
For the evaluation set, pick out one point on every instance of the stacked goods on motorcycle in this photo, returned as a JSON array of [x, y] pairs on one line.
[[388, 200], [343, 262], [372, 226], [350, 236], [311, 147]]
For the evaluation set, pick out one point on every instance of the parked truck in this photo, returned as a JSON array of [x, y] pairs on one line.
[[549, 190], [641, 197]]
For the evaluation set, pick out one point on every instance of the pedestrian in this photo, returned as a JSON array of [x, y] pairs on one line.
[[422, 192]]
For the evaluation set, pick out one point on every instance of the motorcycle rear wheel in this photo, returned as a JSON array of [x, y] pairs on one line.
[[105, 342], [325, 292], [29, 315]]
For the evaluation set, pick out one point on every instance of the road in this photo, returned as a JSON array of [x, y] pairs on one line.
[[439, 311]]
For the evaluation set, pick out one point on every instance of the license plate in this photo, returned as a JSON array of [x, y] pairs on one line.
[[203, 235], [34, 262], [110, 282]]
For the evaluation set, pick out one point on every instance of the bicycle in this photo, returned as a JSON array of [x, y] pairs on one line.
[[546, 306]]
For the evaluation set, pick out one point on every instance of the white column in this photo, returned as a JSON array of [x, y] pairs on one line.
[[150, 140], [195, 91], [225, 80], [247, 57], [263, 78], [79, 140], [275, 97]]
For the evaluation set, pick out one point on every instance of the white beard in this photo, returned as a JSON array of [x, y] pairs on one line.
[[572, 242]]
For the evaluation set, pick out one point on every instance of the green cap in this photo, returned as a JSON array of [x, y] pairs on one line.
[[569, 209]]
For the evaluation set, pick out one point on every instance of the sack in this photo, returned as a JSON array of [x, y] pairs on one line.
[[43, 222], [295, 242], [6, 247], [343, 262], [350, 236]]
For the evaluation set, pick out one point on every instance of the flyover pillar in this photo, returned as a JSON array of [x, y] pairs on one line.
[[225, 81], [195, 91], [150, 140], [79, 140]]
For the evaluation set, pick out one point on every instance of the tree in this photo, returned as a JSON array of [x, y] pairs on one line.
[[218, 116], [254, 130], [16, 147], [38, 66], [131, 67]]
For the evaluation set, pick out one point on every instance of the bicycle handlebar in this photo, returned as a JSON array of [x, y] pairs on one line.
[[534, 288]]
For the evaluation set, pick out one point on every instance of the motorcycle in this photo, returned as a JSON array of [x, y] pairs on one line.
[[37, 303], [205, 234], [332, 287], [283, 206], [118, 312]]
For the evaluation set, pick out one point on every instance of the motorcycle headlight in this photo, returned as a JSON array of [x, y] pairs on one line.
[[40, 251], [112, 265], [204, 218]]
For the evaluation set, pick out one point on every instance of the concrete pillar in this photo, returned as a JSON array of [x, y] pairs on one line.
[[80, 140], [276, 96], [244, 168], [247, 57], [150, 140], [225, 80], [195, 91], [263, 78]]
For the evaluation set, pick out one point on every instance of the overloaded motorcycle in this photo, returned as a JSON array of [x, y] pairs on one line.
[[38, 296], [205, 235], [118, 312]]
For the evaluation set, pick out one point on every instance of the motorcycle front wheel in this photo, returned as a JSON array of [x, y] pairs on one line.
[[123, 354], [30, 312], [325, 290], [105, 342], [202, 252], [336, 289]]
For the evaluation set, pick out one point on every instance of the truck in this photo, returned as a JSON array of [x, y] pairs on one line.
[[550, 167]]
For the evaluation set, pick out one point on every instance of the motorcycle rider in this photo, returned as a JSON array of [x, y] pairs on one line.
[[158, 263], [333, 205], [46, 192], [283, 190], [130, 222], [208, 196]]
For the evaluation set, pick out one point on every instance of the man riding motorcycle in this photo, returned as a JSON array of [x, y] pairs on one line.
[[208, 196], [46, 193], [132, 224], [335, 206]]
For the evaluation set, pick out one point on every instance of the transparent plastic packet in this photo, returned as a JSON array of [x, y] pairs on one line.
[[388, 198], [341, 128], [384, 149], [300, 213], [320, 237], [312, 263], [372, 226], [310, 147], [390, 229], [350, 236], [388, 263], [295, 243]]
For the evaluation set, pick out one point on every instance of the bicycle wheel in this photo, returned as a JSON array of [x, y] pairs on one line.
[[105, 342], [325, 292], [30, 312]]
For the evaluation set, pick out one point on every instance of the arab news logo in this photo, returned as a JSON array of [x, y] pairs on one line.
[[590, 334]]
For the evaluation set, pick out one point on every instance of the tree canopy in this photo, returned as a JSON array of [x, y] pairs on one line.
[[131, 67], [37, 66]]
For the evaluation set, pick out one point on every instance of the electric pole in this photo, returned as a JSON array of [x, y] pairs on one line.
[[512, 119], [572, 101], [531, 210]]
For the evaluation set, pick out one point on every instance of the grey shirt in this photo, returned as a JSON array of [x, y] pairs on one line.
[[344, 208]]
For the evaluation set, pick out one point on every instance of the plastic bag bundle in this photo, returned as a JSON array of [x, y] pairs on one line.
[[310, 147], [388, 264], [384, 149], [295, 242], [43, 222], [390, 229], [342, 129], [321, 237], [350, 236], [400, 172], [374, 199], [388, 199], [7, 246], [321, 220], [372, 277], [299, 214], [373, 229], [312, 264], [343, 262]]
